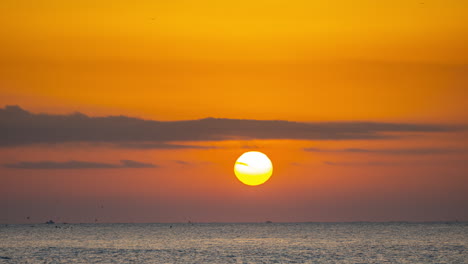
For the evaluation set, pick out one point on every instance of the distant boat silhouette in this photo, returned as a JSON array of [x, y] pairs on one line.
[[268, 222], [50, 222]]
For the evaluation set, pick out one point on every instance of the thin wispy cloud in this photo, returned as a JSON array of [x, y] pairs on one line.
[[74, 164], [369, 163], [250, 147], [182, 162], [146, 145], [401, 151], [456, 162], [20, 127]]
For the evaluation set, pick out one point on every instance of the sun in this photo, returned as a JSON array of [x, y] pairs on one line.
[[253, 168]]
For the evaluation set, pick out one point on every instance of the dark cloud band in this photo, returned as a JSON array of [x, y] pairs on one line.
[[73, 164], [404, 151], [20, 127], [149, 145]]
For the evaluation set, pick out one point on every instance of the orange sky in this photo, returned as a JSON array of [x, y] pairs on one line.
[[301, 61]]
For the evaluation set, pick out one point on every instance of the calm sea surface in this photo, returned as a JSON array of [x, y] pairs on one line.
[[235, 243]]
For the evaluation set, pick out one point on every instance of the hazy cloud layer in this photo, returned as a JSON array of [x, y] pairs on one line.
[[74, 164], [148, 145], [182, 162], [406, 151], [20, 127], [369, 163], [425, 163], [250, 147]]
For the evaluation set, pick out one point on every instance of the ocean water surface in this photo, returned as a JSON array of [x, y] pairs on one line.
[[235, 243]]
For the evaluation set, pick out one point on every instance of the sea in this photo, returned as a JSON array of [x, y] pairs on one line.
[[359, 242]]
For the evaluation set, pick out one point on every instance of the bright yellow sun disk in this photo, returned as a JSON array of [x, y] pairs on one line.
[[253, 168]]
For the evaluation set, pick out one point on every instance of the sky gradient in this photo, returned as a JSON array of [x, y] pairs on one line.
[[136, 112]]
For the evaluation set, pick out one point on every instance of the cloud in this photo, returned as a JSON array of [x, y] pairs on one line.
[[136, 164], [146, 145], [296, 164], [73, 164], [404, 151], [182, 162], [193, 163], [20, 127], [250, 147], [370, 163], [457, 162]]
